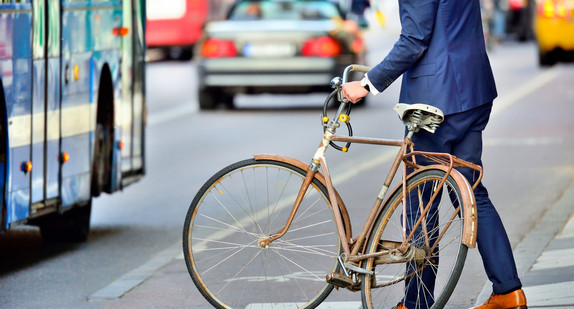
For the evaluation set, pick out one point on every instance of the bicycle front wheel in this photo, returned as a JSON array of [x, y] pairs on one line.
[[415, 278], [243, 203]]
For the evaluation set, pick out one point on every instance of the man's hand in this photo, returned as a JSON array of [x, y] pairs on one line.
[[354, 92]]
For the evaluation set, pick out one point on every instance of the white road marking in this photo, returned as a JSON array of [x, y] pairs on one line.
[[568, 230], [526, 141], [172, 113], [554, 259], [503, 102], [300, 275], [324, 305], [556, 295]]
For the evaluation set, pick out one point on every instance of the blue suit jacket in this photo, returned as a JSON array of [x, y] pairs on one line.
[[442, 54]]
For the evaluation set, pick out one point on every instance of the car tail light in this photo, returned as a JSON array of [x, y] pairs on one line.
[[216, 48], [324, 46], [553, 9]]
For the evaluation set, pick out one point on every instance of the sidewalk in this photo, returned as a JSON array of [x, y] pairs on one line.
[[545, 262], [548, 284], [545, 258]]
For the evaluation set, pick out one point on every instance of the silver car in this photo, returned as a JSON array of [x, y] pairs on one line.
[[275, 46]]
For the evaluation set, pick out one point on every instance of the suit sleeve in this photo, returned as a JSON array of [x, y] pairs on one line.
[[417, 20]]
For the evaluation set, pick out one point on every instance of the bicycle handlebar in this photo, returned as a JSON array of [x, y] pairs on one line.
[[352, 68], [345, 107]]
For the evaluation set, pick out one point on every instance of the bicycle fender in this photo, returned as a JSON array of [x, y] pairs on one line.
[[318, 176], [469, 202]]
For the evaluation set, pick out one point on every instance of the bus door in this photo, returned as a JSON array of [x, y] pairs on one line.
[[139, 109], [133, 68], [45, 105]]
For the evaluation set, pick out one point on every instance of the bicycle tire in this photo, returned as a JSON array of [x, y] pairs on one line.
[[240, 204], [393, 282]]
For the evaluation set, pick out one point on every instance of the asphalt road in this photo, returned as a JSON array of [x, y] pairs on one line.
[[528, 159]]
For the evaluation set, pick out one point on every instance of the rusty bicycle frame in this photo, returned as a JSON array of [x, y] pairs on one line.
[[353, 249]]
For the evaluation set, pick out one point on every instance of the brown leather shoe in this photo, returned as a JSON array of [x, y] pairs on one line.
[[512, 300]]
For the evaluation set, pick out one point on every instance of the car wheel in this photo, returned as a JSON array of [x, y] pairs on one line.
[[179, 53], [207, 99], [227, 99], [546, 59]]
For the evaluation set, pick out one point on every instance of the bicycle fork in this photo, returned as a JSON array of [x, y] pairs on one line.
[[318, 160], [264, 242]]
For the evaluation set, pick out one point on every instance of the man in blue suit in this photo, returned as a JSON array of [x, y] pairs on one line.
[[442, 57]]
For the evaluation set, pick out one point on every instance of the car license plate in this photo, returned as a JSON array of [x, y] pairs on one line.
[[269, 50]]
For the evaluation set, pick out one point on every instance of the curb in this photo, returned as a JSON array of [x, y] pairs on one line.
[[130, 280]]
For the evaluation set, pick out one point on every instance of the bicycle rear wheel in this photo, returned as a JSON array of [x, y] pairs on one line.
[[238, 206], [417, 282]]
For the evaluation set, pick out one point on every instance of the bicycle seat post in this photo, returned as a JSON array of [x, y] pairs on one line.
[[411, 132]]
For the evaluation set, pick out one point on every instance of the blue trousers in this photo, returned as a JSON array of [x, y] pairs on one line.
[[461, 135]]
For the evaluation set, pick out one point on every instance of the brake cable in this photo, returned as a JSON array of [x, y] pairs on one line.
[[343, 117]]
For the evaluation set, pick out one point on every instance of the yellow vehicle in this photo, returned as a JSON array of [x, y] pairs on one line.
[[554, 29]]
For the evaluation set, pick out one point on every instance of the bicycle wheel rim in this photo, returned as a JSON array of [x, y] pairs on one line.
[[238, 206], [403, 282]]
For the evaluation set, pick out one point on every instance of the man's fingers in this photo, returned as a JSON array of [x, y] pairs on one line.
[[353, 91], [348, 96]]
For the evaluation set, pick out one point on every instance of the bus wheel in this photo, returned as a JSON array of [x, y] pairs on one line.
[[71, 226], [102, 160]]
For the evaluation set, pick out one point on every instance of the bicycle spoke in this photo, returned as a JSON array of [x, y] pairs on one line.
[[301, 290], [224, 260], [285, 258], [243, 204], [439, 231], [315, 249], [238, 272], [234, 246], [232, 227], [309, 226], [228, 212], [251, 213], [277, 205]]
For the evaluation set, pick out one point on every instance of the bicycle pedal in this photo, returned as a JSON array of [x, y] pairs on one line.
[[339, 280]]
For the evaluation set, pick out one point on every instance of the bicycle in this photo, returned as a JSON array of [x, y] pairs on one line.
[[263, 226]]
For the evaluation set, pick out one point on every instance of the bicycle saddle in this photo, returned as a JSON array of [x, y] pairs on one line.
[[419, 116]]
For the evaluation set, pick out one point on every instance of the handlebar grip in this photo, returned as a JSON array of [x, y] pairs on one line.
[[360, 68]]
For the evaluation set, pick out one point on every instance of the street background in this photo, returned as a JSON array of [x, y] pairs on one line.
[[132, 258]]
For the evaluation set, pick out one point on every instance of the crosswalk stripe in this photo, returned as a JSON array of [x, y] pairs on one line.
[[324, 305], [568, 231], [554, 259], [556, 295]]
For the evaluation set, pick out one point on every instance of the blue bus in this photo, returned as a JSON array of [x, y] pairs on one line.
[[72, 109]]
